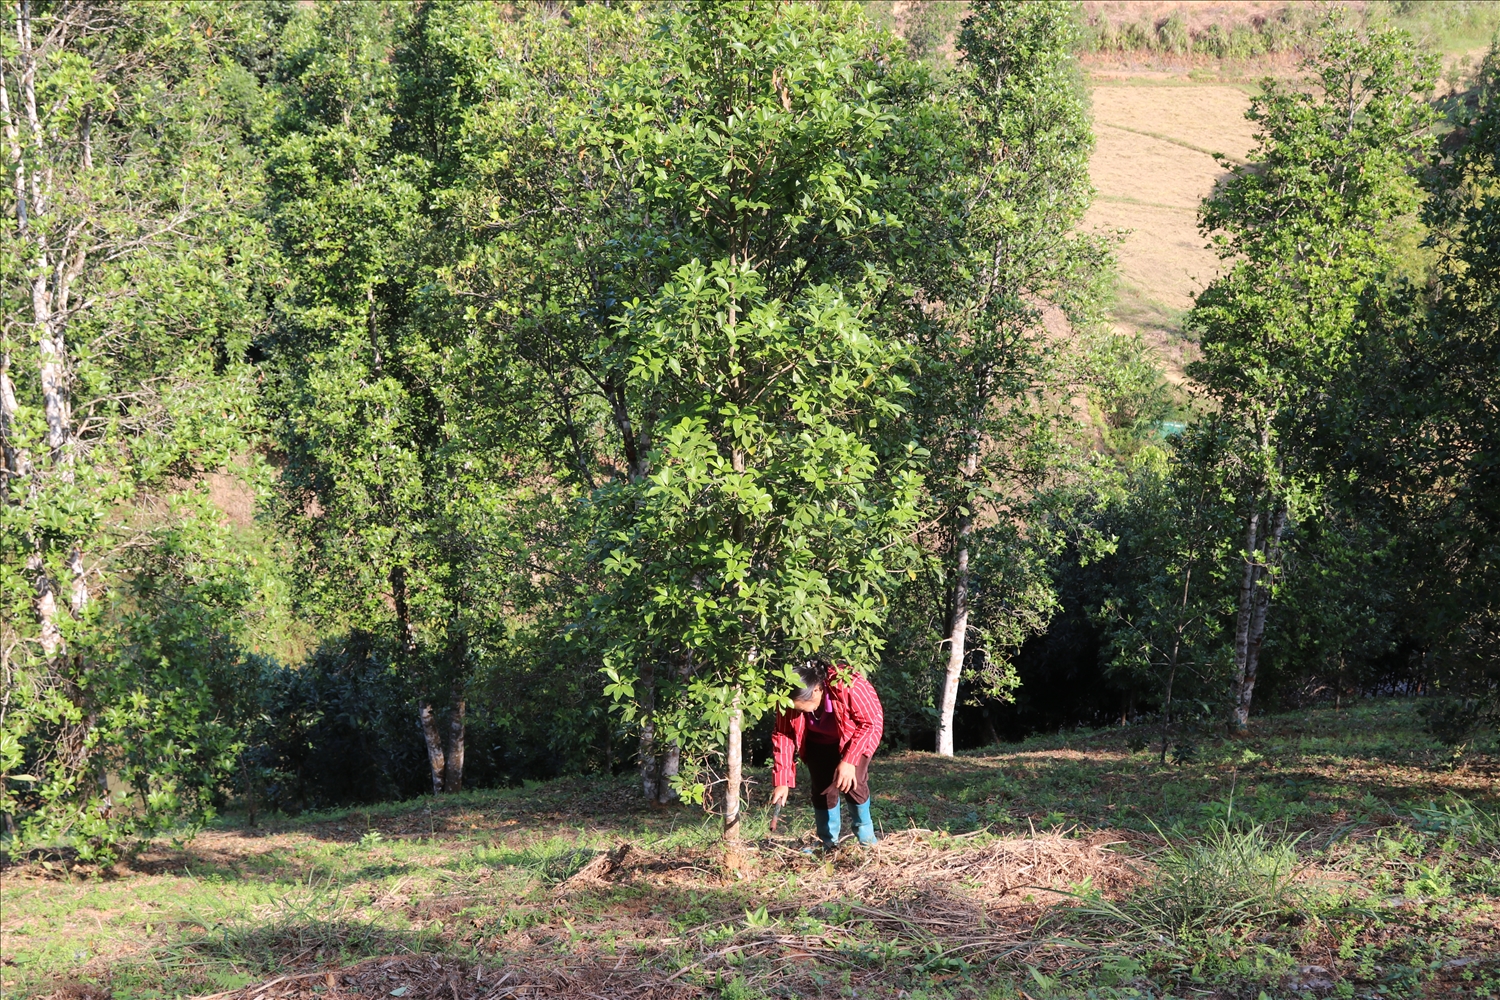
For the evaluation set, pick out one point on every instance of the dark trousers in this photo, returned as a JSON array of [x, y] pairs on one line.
[[822, 759]]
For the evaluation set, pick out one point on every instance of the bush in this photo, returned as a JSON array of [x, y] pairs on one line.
[[1456, 720], [342, 728], [338, 730], [1173, 36]]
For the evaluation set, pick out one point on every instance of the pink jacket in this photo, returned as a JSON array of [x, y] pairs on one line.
[[860, 719]]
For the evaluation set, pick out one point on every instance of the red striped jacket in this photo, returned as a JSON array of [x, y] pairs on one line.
[[856, 709]]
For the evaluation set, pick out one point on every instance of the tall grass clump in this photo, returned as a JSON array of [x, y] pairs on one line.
[[1462, 820], [1231, 881], [1289, 30]]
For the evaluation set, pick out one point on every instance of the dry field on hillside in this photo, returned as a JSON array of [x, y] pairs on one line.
[[1152, 165], [1159, 118]]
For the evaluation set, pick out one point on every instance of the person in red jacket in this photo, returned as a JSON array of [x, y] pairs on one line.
[[834, 725]]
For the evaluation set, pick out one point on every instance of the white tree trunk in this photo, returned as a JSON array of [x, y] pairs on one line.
[[53, 270], [959, 633], [734, 771], [433, 737], [956, 641], [14, 456], [1270, 555], [78, 596], [52, 368], [16, 461], [45, 602]]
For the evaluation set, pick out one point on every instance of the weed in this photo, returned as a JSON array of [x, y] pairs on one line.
[[1461, 819], [1233, 880]]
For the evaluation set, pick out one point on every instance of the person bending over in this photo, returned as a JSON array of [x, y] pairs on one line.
[[834, 725]]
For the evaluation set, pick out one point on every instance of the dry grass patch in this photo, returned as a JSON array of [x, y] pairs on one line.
[[1152, 166], [430, 978], [993, 874]]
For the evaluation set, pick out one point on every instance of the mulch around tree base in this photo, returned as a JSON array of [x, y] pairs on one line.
[[430, 978]]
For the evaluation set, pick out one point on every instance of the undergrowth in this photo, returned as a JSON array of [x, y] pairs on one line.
[[1333, 854]]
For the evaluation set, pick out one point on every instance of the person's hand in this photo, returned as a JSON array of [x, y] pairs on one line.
[[779, 794], [845, 777]]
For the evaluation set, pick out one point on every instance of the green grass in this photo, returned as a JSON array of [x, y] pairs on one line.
[[1347, 842], [1135, 305]]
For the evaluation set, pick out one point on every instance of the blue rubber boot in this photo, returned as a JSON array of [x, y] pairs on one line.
[[829, 823], [864, 826]]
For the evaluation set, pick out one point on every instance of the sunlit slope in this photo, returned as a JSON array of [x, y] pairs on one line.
[[1152, 165]]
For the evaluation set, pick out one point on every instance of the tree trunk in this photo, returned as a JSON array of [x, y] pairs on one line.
[[249, 789], [78, 597], [1166, 722], [54, 270], [959, 631], [650, 773], [659, 764], [733, 772], [453, 764], [668, 764], [49, 634], [956, 639], [1269, 558], [406, 633], [1242, 619], [53, 372], [13, 460], [434, 739]]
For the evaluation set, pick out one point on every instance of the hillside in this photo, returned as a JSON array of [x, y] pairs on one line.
[[1152, 165], [1169, 92], [438, 439]]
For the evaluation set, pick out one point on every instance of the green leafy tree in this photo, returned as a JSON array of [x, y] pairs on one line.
[[1164, 613], [990, 379], [130, 273], [545, 242], [1311, 229], [1431, 443], [407, 470], [758, 533], [759, 537], [606, 150]]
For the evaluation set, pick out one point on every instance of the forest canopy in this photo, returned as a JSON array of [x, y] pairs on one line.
[[405, 397]]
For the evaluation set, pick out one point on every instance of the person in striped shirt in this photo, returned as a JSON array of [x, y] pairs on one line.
[[834, 725]]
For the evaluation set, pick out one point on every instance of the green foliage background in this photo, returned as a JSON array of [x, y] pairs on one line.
[[569, 373]]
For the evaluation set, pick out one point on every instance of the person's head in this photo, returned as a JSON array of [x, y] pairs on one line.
[[812, 679]]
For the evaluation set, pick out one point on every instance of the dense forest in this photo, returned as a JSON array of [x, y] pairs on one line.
[[405, 397]]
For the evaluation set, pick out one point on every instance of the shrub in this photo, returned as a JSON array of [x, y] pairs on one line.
[[338, 730], [1456, 720], [1173, 36]]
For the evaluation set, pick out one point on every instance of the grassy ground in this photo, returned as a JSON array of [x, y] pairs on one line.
[[1331, 854]]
